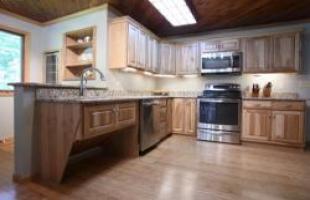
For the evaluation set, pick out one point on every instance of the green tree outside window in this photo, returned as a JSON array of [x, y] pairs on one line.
[[11, 59]]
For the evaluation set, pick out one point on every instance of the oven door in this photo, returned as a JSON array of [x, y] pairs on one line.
[[219, 114]]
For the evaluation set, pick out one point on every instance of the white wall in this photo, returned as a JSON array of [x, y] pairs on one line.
[[6, 103]]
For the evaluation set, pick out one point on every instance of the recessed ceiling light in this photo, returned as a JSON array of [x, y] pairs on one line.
[[175, 11]]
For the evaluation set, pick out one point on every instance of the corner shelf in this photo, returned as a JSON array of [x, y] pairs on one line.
[[79, 52]]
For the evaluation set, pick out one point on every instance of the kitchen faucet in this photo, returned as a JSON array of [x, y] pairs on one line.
[[84, 78]]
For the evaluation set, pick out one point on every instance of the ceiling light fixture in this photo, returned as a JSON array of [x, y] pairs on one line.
[[175, 11]]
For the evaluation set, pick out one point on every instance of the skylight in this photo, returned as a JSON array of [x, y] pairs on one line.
[[175, 11]]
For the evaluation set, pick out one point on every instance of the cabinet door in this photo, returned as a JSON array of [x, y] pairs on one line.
[[230, 45], [141, 51], [286, 52], [126, 114], [256, 124], [99, 120], [187, 59], [178, 109], [155, 56], [167, 59], [257, 55], [190, 117], [287, 126], [220, 45], [133, 41], [149, 49]]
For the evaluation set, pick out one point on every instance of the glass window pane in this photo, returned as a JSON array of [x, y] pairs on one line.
[[11, 59]]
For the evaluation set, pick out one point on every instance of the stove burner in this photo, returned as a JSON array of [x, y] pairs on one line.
[[224, 90]]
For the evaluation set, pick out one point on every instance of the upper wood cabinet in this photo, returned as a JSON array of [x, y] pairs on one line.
[[167, 58], [271, 54], [79, 52], [220, 45], [286, 52], [276, 122], [257, 54], [129, 45], [187, 59], [142, 49], [184, 116], [133, 45], [152, 55]]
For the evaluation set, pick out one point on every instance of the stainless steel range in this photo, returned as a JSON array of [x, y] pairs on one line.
[[219, 113]]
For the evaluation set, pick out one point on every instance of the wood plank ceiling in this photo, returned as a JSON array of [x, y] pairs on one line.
[[210, 14]]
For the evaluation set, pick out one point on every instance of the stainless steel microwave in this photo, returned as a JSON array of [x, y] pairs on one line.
[[221, 62]]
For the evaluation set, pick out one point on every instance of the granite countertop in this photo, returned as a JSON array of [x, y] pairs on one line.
[[55, 86], [100, 99], [274, 98]]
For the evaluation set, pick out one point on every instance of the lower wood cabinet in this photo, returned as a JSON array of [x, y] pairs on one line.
[[256, 124], [274, 122], [101, 119], [184, 116], [287, 126]]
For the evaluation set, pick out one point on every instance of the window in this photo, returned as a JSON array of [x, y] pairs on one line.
[[51, 67], [11, 59]]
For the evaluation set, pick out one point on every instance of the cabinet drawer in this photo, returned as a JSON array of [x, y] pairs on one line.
[[98, 120], [126, 114], [161, 102], [287, 106], [257, 104]]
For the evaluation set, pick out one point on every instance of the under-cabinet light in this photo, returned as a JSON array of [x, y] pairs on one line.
[[175, 11]]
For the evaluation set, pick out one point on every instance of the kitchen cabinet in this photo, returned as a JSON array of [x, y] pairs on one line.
[[78, 55], [220, 45], [142, 50], [190, 116], [274, 122], [187, 59], [272, 54], [152, 64], [256, 124], [287, 126], [184, 116], [133, 43], [66, 129], [102, 119], [286, 52], [129, 45], [167, 59], [257, 55]]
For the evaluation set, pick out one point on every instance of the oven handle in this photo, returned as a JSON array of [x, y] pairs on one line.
[[219, 100]]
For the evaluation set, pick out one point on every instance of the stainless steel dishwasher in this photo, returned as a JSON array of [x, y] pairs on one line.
[[151, 128]]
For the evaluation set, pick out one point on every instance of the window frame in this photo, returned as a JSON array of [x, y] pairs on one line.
[[25, 56]]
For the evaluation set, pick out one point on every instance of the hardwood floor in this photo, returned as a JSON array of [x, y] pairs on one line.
[[180, 168]]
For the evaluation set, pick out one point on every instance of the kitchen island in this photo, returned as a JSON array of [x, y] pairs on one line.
[[53, 123]]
